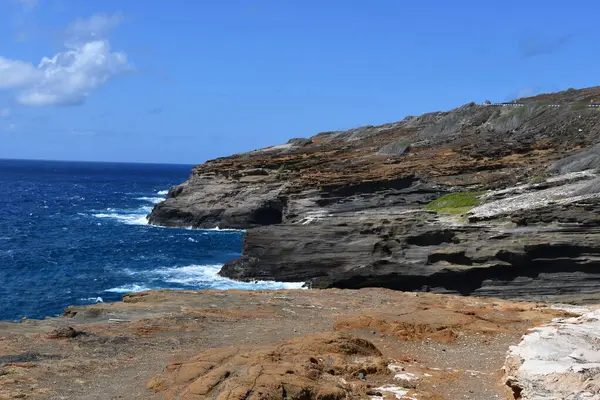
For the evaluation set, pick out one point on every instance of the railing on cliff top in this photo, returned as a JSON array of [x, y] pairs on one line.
[[513, 104]]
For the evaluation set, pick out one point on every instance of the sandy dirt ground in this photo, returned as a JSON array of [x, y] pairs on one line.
[[329, 344]]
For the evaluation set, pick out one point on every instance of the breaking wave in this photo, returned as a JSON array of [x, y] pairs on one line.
[[129, 219], [203, 277], [153, 200], [128, 289], [136, 216], [93, 299]]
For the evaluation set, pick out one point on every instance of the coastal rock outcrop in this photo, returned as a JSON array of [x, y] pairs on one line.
[[560, 360], [348, 209], [417, 252], [321, 366], [210, 344]]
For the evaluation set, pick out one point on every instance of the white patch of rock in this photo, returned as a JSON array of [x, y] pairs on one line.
[[405, 376], [314, 216], [571, 176], [559, 360], [398, 392], [556, 195], [284, 146]]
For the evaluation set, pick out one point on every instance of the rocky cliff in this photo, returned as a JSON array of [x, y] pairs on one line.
[[491, 200]]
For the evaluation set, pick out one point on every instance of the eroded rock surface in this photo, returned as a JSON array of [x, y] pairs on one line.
[[322, 366], [345, 209], [209, 344], [560, 360]]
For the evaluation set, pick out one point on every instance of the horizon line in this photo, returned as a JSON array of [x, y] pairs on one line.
[[96, 161]]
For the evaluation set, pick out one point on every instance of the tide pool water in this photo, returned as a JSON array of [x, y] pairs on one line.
[[76, 233]]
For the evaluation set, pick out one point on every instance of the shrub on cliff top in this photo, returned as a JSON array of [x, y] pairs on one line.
[[539, 178], [455, 203]]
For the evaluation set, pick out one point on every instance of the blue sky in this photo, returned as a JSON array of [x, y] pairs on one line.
[[185, 81]]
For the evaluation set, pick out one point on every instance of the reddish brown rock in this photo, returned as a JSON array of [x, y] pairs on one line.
[[321, 366], [176, 342]]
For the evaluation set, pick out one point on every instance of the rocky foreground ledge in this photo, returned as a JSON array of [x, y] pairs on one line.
[[302, 344], [485, 200]]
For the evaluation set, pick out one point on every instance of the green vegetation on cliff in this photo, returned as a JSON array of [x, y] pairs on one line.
[[577, 107], [455, 203]]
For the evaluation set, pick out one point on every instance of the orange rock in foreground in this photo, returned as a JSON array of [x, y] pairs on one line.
[[312, 344], [326, 365]]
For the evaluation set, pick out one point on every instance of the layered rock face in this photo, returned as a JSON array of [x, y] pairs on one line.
[[346, 209]]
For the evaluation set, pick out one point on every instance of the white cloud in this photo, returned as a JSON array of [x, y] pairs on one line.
[[5, 112], [68, 77], [15, 73], [97, 26]]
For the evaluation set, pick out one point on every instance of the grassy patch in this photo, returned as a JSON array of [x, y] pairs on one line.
[[541, 178], [282, 170], [455, 203], [579, 106], [518, 112]]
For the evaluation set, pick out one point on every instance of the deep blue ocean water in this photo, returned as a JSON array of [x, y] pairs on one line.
[[76, 233]]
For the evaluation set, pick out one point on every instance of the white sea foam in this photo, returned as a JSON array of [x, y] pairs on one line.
[[129, 219], [133, 217], [94, 299], [153, 200], [211, 230], [217, 229], [128, 288], [206, 276]]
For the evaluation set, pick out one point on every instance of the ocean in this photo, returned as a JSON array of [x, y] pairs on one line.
[[74, 233]]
